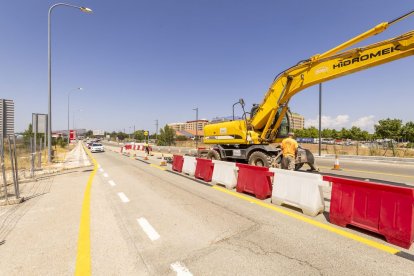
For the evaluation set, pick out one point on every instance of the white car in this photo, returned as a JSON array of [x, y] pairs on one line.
[[95, 147]]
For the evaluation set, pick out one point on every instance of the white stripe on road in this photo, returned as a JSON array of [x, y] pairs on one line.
[[148, 229], [180, 269], [101, 170], [111, 182], [105, 175], [123, 197]]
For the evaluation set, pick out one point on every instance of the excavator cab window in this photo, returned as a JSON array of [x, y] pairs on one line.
[[284, 128]]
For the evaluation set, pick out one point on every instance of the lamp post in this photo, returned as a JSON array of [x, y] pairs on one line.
[[77, 89], [49, 38], [196, 124]]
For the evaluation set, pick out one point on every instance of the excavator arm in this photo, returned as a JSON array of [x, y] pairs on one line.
[[265, 121]]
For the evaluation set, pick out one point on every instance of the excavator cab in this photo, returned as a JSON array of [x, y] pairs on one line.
[[285, 127]]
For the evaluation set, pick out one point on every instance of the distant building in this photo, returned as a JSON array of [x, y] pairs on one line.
[[177, 126], [297, 121], [195, 125]]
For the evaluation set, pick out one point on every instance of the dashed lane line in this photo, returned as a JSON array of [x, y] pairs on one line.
[[180, 269], [148, 229], [112, 183], [123, 197]]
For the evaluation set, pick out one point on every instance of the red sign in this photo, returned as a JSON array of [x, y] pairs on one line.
[[72, 135]]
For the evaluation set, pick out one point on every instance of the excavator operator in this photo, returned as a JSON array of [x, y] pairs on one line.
[[289, 148]]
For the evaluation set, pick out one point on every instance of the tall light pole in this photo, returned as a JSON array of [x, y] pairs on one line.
[[196, 124], [320, 117], [49, 38], [70, 92]]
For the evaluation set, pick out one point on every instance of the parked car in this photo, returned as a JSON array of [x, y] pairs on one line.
[[95, 147]]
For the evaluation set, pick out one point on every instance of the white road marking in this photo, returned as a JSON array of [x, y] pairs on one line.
[[99, 166], [105, 175], [180, 269], [148, 229], [123, 197], [101, 170], [111, 182]]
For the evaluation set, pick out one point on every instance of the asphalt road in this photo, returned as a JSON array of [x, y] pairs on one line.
[[174, 224], [392, 172]]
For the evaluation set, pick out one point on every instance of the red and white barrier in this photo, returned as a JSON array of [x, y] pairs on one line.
[[298, 189], [225, 173]]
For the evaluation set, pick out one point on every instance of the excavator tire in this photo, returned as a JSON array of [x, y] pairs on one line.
[[260, 159], [213, 155]]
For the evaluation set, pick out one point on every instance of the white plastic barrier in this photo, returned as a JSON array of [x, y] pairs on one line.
[[298, 189], [189, 165], [225, 173]]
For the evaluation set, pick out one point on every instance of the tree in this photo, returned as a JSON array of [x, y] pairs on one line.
[[388, 129], [139, 135], [121, 136], [407, 131], [27, 134], [181, 138], [166, 137], [89, 133]]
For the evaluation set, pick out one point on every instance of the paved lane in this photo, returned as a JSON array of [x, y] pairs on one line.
[[400, 173], [176, 223]]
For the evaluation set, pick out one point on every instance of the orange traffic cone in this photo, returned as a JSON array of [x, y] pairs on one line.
[[336, 164], [163, 162]]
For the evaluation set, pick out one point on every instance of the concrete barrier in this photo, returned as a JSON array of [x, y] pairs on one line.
[[189, 165], [298, 189], [225, 173]]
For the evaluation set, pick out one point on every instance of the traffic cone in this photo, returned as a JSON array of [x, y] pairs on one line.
[[146, 157], [336, 164], [163, 162]]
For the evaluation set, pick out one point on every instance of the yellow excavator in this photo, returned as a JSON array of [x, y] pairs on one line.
[[254, 138]]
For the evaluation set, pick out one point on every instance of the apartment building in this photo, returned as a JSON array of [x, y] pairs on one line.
[[193, 125], [177, 126], [297, 121]]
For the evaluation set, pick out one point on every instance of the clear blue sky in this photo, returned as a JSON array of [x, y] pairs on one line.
[[139, 61]]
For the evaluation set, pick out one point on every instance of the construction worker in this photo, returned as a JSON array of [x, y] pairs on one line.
[[289, 148]]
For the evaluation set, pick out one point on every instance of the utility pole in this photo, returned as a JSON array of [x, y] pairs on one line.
[[156, 130], [196, 124]]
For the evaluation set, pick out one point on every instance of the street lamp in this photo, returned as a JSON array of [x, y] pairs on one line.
[[196, 124], [49, 128], [70, 92]]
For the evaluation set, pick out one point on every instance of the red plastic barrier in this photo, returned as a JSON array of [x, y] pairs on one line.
[[384, 209], [128, 147], [254, 180], [204, 169], [178, 162]]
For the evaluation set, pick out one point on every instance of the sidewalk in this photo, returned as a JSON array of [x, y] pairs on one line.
[[40, 235]]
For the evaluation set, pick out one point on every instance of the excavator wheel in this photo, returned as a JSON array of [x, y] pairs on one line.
[[260, 159], [213, 155]]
